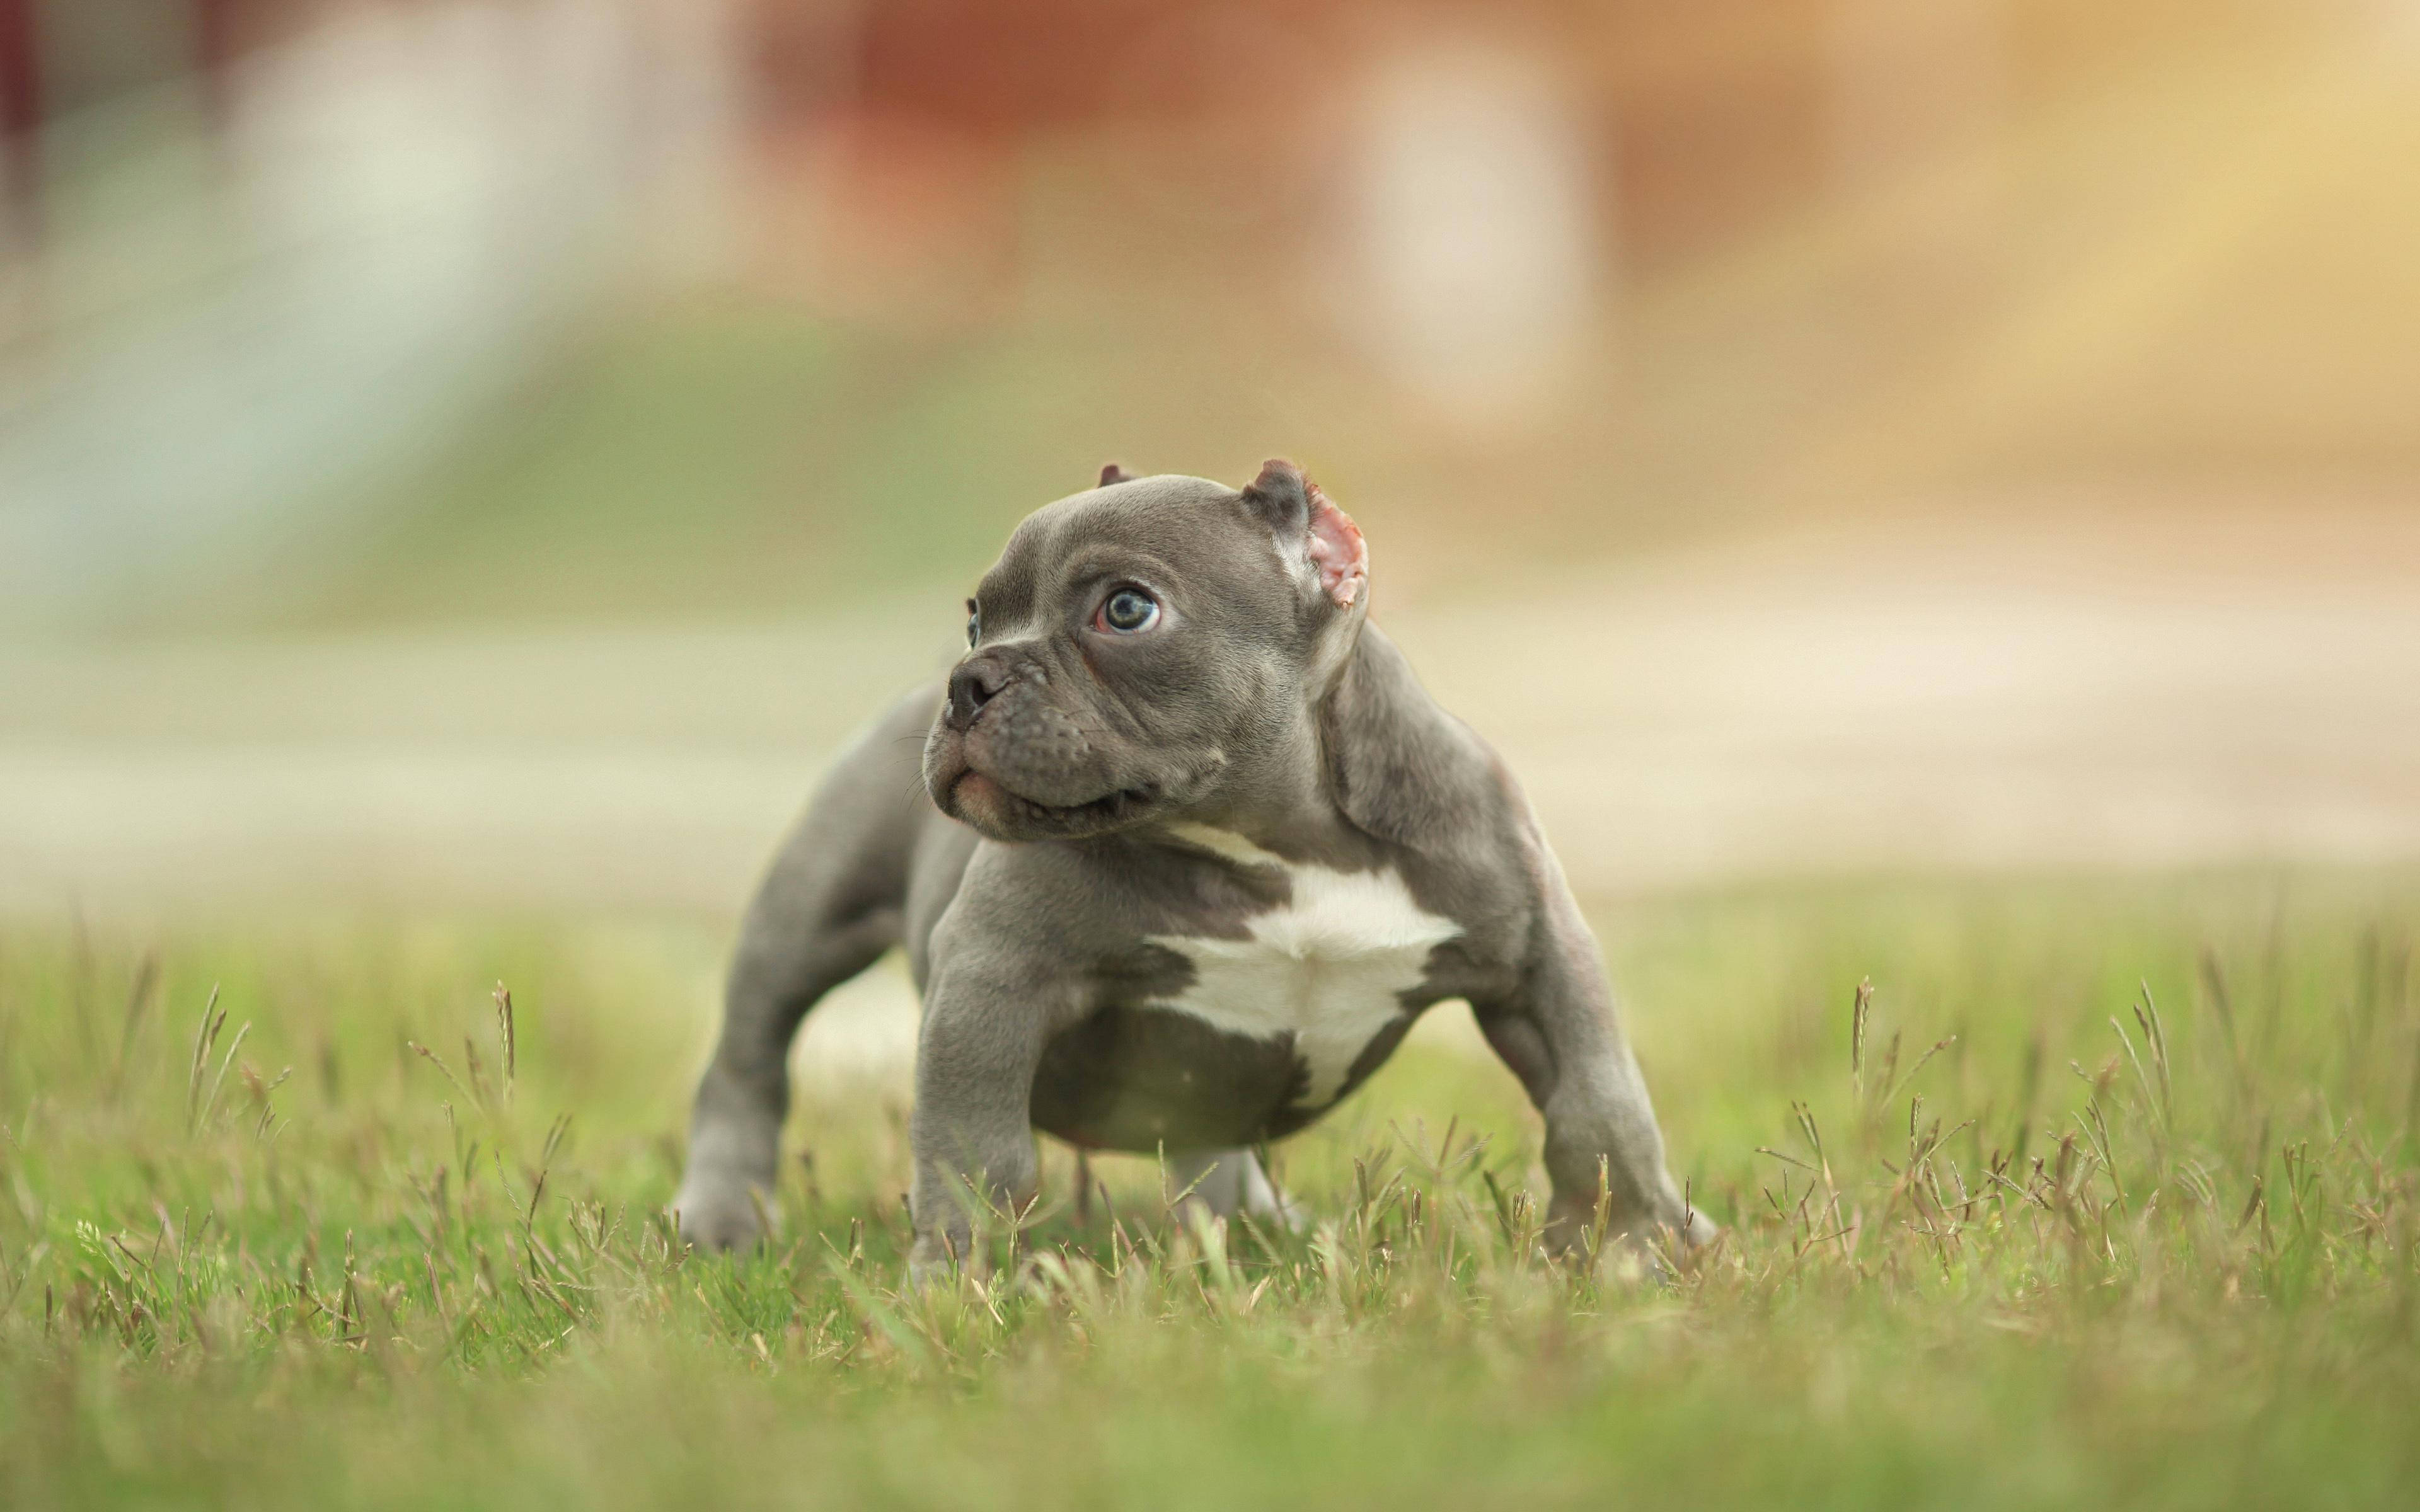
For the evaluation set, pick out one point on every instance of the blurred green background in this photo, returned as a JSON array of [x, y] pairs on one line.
[[493, 451]]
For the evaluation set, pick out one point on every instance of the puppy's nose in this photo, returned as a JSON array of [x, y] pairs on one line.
[[975, 682]]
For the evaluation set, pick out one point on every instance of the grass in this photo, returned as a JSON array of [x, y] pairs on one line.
[[2106, 1194]]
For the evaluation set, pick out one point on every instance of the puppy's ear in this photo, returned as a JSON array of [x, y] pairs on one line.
[[1281, 496], [1111, 473], [1307, 522]]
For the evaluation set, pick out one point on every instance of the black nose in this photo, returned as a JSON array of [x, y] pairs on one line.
[[976, 683]]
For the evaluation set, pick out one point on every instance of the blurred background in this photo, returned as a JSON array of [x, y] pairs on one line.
[[489, 454]]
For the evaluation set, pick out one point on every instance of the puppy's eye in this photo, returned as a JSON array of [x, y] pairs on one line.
[[974, 623], [1127, 611]]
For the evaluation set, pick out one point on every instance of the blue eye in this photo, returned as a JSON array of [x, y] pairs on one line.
[[1127, 610], [974, 623]]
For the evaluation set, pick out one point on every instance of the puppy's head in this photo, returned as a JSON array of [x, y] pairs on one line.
[[1137, 646]]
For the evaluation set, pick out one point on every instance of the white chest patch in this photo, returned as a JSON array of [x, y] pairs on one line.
[[1326, 968]]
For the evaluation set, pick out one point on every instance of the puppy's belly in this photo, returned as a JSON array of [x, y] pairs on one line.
[[1266, 1029], [1146, 1078]]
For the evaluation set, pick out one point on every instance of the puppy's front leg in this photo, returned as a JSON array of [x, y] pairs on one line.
[[972, 1130], [1558, 1032]]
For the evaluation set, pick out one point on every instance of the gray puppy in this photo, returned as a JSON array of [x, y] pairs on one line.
[[1198, 850]]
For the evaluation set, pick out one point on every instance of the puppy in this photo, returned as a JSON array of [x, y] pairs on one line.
[[1199, 849]]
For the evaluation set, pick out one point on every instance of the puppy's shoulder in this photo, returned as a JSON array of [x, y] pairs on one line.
[[1403, 769]]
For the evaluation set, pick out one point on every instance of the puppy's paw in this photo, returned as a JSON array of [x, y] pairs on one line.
[[1228, 1185], [1270, 1205], [1695, 1234], [1279, 1214], [721, 1215], [1274, 1207], [1668, 1248], [940, 1258], [1656, 1247]]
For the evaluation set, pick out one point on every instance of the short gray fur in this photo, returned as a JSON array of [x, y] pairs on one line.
[[1013, 831]]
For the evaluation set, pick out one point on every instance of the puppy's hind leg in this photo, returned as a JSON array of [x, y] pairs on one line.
[[1226, 1182], [829, 908]]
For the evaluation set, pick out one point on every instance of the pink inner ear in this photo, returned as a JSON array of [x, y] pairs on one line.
[[1337, 550]]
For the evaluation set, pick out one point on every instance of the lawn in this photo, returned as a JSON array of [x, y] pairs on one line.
[[2105, 1195]]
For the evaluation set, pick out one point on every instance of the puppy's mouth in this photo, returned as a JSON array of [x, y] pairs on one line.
[[982, 801]]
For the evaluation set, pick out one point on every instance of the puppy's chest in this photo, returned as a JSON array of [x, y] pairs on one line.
[[1329, 968]]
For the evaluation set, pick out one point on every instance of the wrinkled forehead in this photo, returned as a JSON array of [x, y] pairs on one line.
[[1190, 527]]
